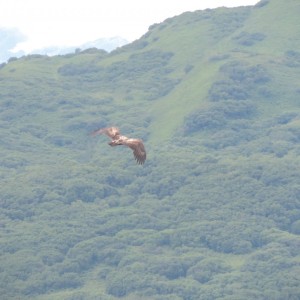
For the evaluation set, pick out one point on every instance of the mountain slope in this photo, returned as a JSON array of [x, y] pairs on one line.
[[214, 212]]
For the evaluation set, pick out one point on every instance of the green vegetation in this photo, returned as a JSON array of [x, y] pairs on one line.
[[215, 211]]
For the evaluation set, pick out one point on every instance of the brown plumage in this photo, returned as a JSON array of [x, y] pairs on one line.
[[117, 139]]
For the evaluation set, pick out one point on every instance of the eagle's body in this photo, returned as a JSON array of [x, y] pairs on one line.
[[117, 139]]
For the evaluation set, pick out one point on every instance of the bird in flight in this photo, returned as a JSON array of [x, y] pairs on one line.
[[117, 139]]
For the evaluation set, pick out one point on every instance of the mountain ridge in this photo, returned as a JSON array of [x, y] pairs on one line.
[[214, 211], [107, 44]]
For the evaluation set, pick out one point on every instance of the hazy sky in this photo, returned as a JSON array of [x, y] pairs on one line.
[[69, 23]]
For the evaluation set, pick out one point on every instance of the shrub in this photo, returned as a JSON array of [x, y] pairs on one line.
[[249, 39]]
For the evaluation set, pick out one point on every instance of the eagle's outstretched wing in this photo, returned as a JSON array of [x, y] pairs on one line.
[[136, 145], [138, 148], [112, 132]]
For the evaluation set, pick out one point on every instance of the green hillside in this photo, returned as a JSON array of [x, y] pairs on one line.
[[215, 211]]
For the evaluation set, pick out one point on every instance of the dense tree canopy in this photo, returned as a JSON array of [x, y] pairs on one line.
[[214, 212]]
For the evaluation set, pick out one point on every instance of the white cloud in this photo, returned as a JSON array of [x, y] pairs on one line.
[[66, 23]]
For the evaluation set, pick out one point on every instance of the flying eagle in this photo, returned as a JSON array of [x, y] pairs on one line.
[[117, 139]]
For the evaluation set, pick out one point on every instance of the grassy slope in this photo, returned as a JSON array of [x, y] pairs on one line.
[[196, 47], [191, 93], [279, 22], [47, 150]]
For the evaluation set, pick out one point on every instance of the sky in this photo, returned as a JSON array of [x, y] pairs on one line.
[[45, 23]]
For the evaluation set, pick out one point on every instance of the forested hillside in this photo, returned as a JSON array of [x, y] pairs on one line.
[[214, 213]]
